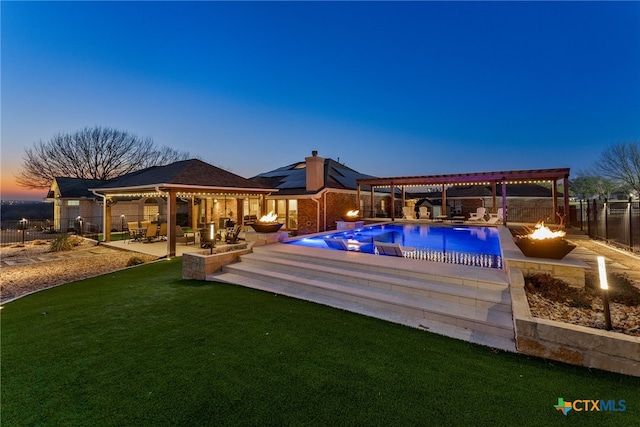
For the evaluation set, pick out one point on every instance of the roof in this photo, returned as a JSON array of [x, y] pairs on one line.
[[76, 188], [477, 178], [191, 173], [477, 191], [292, 179]]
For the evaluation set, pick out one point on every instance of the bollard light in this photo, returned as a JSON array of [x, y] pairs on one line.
[[212, 236], [604, 285]]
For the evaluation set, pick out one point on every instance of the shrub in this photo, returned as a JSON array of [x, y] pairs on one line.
[[135, 260], [63, 242]]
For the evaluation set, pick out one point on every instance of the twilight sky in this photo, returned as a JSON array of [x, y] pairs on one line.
[[389, 89]]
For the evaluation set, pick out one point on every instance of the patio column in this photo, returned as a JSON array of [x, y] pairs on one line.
[[171, 224], [106, 233], [193, 212], [494, 196]]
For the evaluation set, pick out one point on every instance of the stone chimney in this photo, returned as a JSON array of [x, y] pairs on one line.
[[315, 171]]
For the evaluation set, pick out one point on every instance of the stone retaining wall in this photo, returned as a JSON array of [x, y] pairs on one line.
[[197, 266], [577, 345]]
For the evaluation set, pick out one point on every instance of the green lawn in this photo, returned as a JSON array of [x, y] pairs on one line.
[[143, 347]]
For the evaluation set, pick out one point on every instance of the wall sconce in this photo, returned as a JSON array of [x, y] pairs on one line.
[[215, 201]]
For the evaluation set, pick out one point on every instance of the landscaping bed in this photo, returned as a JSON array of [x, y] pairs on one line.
[[32, 266]]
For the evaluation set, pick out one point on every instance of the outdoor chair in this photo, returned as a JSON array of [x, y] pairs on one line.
[[186, 238], [162, 234], [133, 226], [152, 232], [478, 216], [424, 212], [234, 235], [496, 217], [392, 249], [408, 212], [338, 244]]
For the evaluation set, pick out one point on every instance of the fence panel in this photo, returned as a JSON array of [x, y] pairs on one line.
[[615, 221]]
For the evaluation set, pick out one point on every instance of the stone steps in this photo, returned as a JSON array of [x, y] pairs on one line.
[[468, 303]]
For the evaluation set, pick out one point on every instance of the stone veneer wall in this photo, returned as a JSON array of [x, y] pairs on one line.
[[577, 345], [572, 275], [197, 266]]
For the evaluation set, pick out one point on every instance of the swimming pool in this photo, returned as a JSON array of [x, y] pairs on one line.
[[465, 245]]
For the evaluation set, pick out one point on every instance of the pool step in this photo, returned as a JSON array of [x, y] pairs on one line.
[[474, 306]]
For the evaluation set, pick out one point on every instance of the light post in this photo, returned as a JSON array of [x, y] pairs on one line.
[[122, 223], [212, 237], [604, 285], [79, 219], [23, 226]]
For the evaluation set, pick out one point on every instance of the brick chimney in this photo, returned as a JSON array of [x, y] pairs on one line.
[[315, 171]]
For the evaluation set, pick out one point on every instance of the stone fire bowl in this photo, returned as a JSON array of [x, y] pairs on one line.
[[261, 227], [547, 248]]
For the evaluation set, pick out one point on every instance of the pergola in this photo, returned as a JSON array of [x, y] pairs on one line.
[[189, 179], [493, 179]]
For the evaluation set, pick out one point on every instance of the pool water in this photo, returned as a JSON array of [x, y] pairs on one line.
[[466, 245]]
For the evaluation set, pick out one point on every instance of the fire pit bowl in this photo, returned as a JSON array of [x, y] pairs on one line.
[[556, 248], [262, 227], [352, 216]]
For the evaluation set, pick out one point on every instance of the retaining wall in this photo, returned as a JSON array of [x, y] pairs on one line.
[[577, 345]]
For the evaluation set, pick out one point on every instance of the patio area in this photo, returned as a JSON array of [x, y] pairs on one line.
[[159, 248]]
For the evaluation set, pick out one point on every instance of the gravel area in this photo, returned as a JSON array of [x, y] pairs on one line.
[[28, 268]]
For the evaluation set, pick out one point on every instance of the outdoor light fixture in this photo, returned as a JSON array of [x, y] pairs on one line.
[[212, 234], [604, 285], [24, 227]]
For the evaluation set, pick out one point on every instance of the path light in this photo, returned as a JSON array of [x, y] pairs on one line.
[[604, 285], [122, 223], [23, 224], [212, 234]]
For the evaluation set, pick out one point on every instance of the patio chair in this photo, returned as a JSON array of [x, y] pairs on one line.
[[496, 217], [392, 249], [478, 216], [424, 212], [186, 238], [234, 235], [338, 244], [162, 234], [152, 232], [133, 226], [408, 212]]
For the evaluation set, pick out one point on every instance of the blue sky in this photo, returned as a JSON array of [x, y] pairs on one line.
[[389, 89]]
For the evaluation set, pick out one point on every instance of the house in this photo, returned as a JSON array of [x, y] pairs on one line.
[[314, 194]]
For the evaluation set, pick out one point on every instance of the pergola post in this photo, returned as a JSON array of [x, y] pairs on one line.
[[504, 202], [393, 201], [554, 194], [566, 199]]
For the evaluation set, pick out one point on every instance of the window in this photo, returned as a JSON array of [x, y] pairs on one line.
[[151, 210], [73, 202], [293, 214]]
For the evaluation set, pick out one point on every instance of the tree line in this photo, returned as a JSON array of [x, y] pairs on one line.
[[105, 153]]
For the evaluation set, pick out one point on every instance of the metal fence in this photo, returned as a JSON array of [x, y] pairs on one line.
[[615, 221]]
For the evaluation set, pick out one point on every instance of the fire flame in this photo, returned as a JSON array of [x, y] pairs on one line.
[[270, 217], [542, 232], [353, 214]]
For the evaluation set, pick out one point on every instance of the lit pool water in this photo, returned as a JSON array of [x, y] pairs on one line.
[[466, 245]]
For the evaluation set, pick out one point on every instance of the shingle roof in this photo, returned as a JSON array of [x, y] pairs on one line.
[[76, 187], [187, 172], [292, 179]]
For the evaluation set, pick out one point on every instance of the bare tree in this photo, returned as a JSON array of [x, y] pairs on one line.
[[92, 153], [621, 163]]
